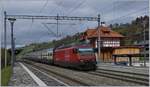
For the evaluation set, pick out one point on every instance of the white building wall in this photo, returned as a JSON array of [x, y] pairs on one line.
[[109, 43]]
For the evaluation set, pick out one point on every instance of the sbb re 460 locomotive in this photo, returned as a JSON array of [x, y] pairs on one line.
[[79, 56]]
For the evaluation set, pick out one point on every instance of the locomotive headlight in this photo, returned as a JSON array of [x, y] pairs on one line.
[[81, 60]]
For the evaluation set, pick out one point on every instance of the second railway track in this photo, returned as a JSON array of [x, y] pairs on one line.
[[125, 76]]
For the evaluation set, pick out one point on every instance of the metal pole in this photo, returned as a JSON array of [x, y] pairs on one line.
[[144, 23], [12, 45], [5, 46], [99, 40], [14, 49], [57, 25], [98, 20], [12, 20]]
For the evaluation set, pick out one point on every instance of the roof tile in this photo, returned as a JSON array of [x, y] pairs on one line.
[[104, 32]]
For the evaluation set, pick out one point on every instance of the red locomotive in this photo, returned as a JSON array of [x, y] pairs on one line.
[[78, 56], [81, 57]]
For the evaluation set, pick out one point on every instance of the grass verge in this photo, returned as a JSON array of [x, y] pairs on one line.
[[5, 75]]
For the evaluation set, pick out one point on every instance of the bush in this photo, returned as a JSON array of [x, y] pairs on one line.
[[5, 75], [3, 58]]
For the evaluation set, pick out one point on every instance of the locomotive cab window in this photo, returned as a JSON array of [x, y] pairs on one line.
[[85, 51]]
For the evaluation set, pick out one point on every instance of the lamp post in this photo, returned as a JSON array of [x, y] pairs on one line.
[[5, 39], [14, 49], [12, 20], [99, 39], [144, 44]]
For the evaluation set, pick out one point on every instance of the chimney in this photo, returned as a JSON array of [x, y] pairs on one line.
[[103, 24]]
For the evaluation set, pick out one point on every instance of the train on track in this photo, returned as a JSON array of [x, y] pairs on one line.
[[78, 56]]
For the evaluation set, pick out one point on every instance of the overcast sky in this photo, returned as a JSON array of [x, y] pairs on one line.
[[31, 31]]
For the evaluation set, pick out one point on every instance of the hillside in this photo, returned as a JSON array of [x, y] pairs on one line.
[[55, 43], [133, 31]]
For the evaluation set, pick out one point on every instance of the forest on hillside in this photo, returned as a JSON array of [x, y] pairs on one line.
[[133, 31]]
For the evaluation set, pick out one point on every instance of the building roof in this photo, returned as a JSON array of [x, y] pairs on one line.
[[104, 32]]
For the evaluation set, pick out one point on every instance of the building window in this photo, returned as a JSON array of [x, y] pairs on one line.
[[110, 43]]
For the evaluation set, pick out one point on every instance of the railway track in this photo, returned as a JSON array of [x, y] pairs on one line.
[[92, 78], [58, 75], [138, 78]]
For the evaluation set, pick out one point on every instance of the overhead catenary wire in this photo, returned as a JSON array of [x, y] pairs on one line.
[[59, 24], [53, 11], [75, 8], [32, 23], [45, 4], [126, 15], [118, 4], [43, 7], [49, 30], [91, 14]]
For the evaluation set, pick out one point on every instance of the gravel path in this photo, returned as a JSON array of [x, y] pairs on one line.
[[21, 78]]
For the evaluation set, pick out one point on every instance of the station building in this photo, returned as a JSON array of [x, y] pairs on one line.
[[110, 43]]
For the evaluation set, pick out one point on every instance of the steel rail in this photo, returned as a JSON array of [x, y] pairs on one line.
[[122, 77], [99, 69], [58, 74]]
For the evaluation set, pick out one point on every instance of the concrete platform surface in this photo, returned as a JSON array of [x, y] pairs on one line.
[[21, 77]]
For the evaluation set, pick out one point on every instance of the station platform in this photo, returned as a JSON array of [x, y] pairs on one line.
[[132, 69], [22, 76]]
